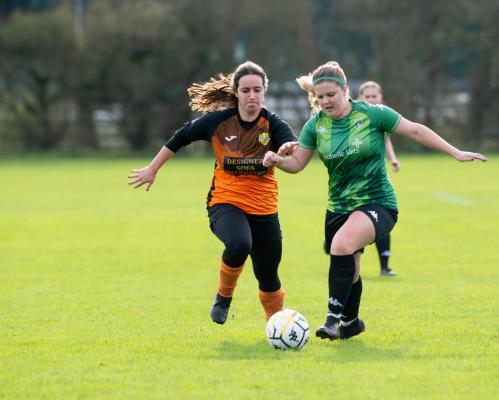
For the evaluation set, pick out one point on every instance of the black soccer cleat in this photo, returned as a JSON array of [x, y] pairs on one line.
[[388, 272], [354, 329], [220, 309], [330, 330]]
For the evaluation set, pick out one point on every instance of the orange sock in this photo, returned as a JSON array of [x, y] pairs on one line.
[[228, 279], [271, 302]]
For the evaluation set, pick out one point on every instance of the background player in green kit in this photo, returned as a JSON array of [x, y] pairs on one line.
[[350, 139], [371, 92]]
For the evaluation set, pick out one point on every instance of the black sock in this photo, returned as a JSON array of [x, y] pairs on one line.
[[341, 272], [351, 309], [383, 246]]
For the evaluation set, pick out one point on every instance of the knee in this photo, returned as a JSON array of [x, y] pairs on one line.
[[343, 247], [240, 247], [269, 285], [236, 252]]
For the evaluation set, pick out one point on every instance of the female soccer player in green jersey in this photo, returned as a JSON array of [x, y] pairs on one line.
[[350, 139], [371, 92]]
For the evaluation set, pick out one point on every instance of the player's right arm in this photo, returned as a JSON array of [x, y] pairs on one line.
[[293, 163], [147, 175], [287, 148], [199, 129], [299, 153]]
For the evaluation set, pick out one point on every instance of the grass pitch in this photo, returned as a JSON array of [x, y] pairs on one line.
[[105, 291]]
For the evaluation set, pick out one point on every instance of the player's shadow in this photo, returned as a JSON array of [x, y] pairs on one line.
[[339, 351], [234, 350], [355, 350]]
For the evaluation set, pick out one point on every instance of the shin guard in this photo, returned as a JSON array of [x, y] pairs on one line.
[[341, 273], [351, 309], [271, 302], [228, 279]]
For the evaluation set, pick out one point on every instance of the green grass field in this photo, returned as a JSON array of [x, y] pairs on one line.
[[105, 291]]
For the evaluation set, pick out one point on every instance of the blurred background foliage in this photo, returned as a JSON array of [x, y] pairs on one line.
[[97, 75]]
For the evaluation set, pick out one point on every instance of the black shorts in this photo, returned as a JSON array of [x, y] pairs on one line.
[[257, 236], [383, 219]]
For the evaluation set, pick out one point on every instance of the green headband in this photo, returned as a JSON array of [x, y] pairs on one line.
[[329, 78]]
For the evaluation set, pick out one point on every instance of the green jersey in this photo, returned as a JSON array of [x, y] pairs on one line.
[[353, 151]]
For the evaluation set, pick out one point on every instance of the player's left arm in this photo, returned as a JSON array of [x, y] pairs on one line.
[[427, 137], [390, 155]]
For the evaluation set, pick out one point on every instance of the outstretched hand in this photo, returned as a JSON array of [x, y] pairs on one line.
[[287, 148], [270, 159], [143, 176], [469, 156]]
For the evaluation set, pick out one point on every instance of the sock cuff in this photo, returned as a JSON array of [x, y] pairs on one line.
[[272, 302], [271, 295], [345, 263], [230, 270], [342, 257]]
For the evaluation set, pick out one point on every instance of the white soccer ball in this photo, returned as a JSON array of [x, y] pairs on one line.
[[287, 329]]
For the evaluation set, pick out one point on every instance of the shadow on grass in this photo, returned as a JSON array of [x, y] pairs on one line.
[[356, 350], [338, 351], [234, 350]]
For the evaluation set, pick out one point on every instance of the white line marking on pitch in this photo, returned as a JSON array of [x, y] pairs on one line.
[[453, 199]]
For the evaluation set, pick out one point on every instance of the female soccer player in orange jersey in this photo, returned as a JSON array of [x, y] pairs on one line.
[[242, 199]]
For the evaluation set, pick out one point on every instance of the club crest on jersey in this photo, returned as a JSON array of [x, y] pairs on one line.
[[357, 142], [264, 138]]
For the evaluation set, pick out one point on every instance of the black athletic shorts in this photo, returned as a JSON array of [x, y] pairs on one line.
[[383, 218], [257, 236]]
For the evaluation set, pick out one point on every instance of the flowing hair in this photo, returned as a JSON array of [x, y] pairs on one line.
[[305, 82], [219, 93], [216, 94]]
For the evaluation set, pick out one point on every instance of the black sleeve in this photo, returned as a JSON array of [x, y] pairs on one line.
[[198, 129], [281, 132]]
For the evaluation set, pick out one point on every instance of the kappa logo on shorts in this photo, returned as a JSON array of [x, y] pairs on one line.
[[374, 214]]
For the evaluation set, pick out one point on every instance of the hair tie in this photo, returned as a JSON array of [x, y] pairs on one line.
[[329, 78]]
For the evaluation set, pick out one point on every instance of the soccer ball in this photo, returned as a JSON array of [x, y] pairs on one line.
[[287, 329]]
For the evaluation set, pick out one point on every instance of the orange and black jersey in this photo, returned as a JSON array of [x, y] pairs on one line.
[[239, 146]]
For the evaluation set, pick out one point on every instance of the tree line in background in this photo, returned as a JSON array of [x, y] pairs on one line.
[[60, 62]]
